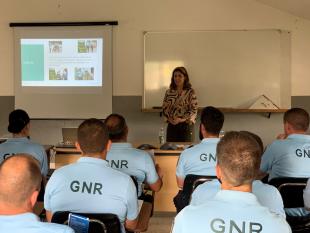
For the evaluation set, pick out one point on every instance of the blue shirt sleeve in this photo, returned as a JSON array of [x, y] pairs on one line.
[[180, 171], [132, 201], [44, 164], [47, 194], [177, 225], [151, 173]]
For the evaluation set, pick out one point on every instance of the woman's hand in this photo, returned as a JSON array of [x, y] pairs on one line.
[[177, 120]]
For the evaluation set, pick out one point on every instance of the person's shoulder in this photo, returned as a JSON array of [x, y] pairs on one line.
[[34, 144], [259, 186], [63, 171], [55, 228], [208, 186]]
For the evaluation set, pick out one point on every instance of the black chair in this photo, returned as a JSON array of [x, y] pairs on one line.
[[98, 223], [191, 182], [291, 190]]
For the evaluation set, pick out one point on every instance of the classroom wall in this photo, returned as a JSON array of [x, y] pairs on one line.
[[135, 17]]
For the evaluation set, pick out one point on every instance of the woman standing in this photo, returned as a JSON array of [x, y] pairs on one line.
[[180, 107]]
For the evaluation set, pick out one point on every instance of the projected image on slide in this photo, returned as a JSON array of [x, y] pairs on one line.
[[84, 73], [62, 62], [55, 46], [87, 46], [58, 74]]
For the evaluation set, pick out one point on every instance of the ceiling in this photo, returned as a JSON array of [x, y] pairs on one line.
[[300, 8]]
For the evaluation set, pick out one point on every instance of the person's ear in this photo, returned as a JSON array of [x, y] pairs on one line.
[[109, 143], [287, 128], [218, 172], [202, 130], [33, 198], [78, 147]]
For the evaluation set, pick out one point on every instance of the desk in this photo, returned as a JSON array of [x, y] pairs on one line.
[[167, 160]]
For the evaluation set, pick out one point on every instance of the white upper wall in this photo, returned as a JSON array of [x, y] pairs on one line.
[[137, 16]]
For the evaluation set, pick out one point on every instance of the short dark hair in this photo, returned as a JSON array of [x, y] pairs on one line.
[[298, 118], [239, 157], [116, 126], [18, 185], [18, 119], [92, 136], [212, 119], [183, 71]]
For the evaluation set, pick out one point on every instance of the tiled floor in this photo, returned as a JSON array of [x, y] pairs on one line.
[[161, 223]]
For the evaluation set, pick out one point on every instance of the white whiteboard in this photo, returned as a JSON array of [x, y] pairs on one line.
[[226, 68]]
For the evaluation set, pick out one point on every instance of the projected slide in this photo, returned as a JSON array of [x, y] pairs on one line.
[[61, 62]]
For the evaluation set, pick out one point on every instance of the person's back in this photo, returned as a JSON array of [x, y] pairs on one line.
[[288, 157], [266, 195], [90, 185], [19, 126], [134, 162], [123, 157], [24, 145], [29, 223], [19, 187], [230, 211], [201, 158], [235, 208]]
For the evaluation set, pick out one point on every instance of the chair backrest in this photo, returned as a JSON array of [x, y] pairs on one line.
[[192, 181], [291, 190], [98, 223]]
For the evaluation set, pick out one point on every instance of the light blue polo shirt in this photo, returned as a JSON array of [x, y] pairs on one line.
[[288, 158], [266, 194], [29, 223], [134, 162], [91, 186], [199, 159], [229, 211], [24, 145]]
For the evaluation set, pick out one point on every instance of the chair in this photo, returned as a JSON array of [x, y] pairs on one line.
[[191, 182], [291, 190], [98, 223]]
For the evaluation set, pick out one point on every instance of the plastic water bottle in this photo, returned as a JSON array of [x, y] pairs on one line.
[[161, 136]]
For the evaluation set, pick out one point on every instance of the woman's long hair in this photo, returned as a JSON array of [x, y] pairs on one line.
[[186, 84]]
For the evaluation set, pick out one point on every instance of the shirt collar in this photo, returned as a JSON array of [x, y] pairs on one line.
[[236, 196], [121, 145], [22, 139], [97, 161], [23, 217], [299, 136], [207, 140]]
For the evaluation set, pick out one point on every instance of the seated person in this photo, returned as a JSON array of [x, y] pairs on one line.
[[90, 185], [19, 187], [289, 156], [201, 158], [19, 126], [267, 195], [123, 157], [234, 208]]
